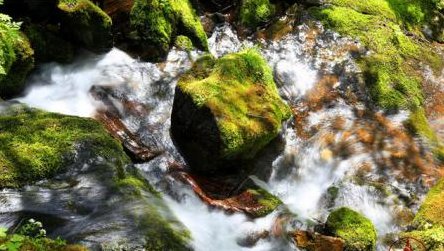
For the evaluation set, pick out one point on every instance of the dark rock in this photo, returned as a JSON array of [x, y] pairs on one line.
[[316, 242]]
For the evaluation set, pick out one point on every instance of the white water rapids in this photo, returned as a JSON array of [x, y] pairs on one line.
[[301, 174]]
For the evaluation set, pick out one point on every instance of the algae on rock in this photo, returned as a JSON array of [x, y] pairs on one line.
[[357, 231], [86, 24], [155, 24], [226, 110]]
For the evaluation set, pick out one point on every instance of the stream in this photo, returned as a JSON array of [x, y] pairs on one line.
[[336, 151]]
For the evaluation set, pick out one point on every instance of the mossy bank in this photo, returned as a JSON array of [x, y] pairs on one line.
[[37, 144]]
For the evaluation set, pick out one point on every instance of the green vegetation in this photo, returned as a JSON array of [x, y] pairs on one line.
[[184, 43], [430, 219], [86, 24], [390, 69], [48, 46], [266, 199], [16, 58], [357, 231], [35, 144], [155, 24], [163, 231], [256, 12], [240, 92], [32, 237]]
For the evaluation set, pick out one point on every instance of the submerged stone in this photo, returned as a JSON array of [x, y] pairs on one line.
[[154, 25], [16, 59], [226, 110], [86, 24], [357, 231]]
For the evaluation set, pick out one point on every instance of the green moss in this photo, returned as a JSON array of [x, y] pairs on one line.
[[357, 231], [256, 12], [48, 46], [163, 232], [266, 199], [432, 238], [431, 212], [16, 60], [241, 94], [156, 24], [184, 43], [35, 144], [85, 23]]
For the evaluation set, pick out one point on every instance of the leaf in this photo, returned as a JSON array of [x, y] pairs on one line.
[[3, 247], [3, 233]]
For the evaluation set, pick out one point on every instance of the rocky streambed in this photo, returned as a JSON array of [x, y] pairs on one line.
[[283, 132]]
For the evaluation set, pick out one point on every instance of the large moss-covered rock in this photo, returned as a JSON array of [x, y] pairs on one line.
[[47, 45], [429, 221], [86, 24], [35, 144], [155, 24], [357, 231], [226, 110], [16, 58]]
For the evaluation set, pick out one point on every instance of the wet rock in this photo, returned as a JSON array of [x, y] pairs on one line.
[[357, 231], [316, 242], [17, 59], [226, 110], [47, 45], [111, 119], [154, 27], [225, 193], [86, 24]]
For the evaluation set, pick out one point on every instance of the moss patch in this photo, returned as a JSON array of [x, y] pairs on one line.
[[156, 23], [35, 144], [357, 231], [16, 59], [48, 47], [86, 24], [184, 43], [255, 12], [40, 244], [266, 199]]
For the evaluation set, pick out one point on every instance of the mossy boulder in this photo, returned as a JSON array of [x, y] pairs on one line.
[[36, 145], [155, 24], [357, 231], [429, 221], [86, 24], [226, 110], [16, 59], [253, 13], [47, 45]]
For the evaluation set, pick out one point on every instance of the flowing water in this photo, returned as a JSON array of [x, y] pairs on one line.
[[325, 163]]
